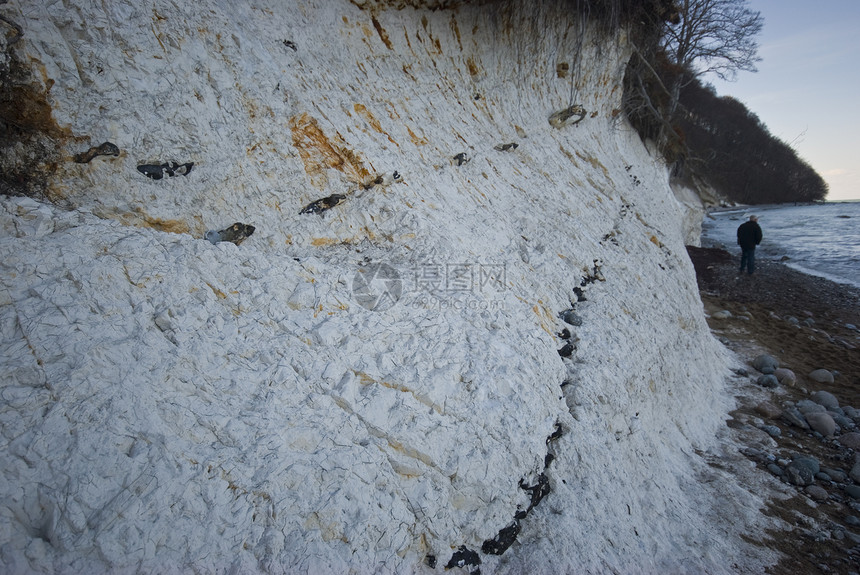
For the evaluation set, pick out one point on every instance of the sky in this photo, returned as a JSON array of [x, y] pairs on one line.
[[807, 88]]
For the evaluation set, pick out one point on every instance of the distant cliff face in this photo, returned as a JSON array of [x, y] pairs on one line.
[[456, 312]]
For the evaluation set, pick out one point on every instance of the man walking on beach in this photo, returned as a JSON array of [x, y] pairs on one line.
[[749, 236]]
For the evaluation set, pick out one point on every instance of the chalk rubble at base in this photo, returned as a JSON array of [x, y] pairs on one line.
[[171, 404]]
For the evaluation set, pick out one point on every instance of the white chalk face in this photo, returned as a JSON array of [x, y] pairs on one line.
[[154, 386]]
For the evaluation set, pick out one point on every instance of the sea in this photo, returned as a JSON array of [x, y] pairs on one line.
[[818, 239]]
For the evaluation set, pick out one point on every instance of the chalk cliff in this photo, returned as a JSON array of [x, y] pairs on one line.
[[483, 346]]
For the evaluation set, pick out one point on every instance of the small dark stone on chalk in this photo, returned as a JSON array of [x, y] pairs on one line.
[[566, 351], [105, 149], [323, 204], [538, 491], [237, 233], [465, 557], [503, 540], [461, 158], [158, 171], [557, 432], [568, 316]]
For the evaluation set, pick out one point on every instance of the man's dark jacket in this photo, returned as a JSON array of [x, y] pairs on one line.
[[749, 235]]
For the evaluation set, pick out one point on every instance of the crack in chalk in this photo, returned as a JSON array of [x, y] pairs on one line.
[[121, 500], [380, 434], [25, 335], [365, 379]]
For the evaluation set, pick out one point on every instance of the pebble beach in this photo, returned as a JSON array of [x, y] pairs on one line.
[[797, 386]]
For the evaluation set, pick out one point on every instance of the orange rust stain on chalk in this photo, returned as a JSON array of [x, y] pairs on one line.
[[140, 219], [319, 153], [473, 67], [456, 30], [416, 139], [383, 35], [362, 111]]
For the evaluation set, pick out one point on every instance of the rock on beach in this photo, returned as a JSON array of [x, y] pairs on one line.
[[826, 398], [817, 493], [799, 474], [822, 423], [767, 380], [850, 440], [795, 418], [806, 406], [768, 410], [821, 376], [785, 376], [766, 364]]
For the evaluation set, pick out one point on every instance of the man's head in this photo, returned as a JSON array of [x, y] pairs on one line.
[[753, 218]]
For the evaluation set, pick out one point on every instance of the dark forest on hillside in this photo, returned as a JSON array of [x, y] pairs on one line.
[[704, 136], [733, 150]]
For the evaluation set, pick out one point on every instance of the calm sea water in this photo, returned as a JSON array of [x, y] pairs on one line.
[[821, 240]]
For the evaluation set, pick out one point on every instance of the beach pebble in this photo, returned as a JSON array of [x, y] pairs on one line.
[[808, 462], [772, 430], [766, 364], [724, 314], [853, 491], [775, 469], [835, 474], [850, 440], [768, 410], [799, 474], [817, 493], [805, 406], [855, 472], [785, 376], [768, 380], [853, 521], [841, 420], [795, 418], [826, 399], [822, 423], [821, 376], [821, 476]]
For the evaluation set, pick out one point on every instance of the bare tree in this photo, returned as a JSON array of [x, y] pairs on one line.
[[703, 36], [716, 36]]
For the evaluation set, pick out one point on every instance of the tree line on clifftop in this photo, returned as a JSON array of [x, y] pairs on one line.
[[704, 136]]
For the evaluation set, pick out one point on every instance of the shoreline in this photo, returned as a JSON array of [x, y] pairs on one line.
[[807, 323]]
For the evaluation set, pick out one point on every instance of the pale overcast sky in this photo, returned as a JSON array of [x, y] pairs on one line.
[[807, 88]]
